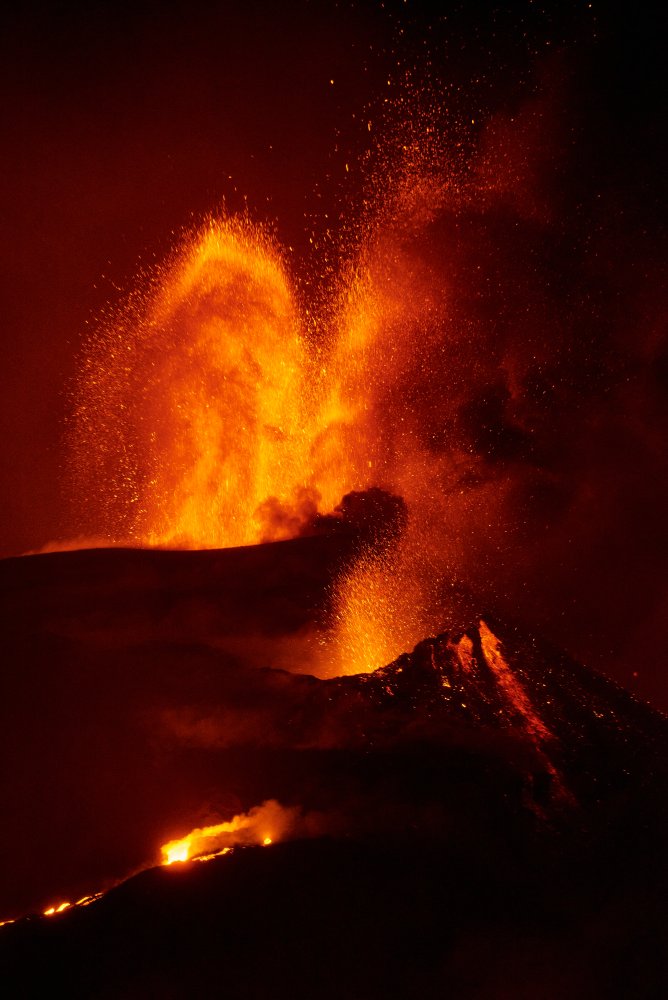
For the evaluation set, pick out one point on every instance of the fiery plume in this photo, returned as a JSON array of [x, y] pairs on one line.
[[210, 414], [263, 825]]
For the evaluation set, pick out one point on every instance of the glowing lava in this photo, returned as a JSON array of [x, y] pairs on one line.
[[205, 843], [220, 409], [190, 425], [245, 829], [522, 709], [511, 687], [210, 412], [207, 416]]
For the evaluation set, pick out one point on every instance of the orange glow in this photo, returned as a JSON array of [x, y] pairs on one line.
[[245, 829], [378, 611], [205, 843], [57, 908], [465, 653], [511, 686], [219, 409], [514, 693], [189, 406], [180, 851], [364, 616], [87, 900], [206, 414]]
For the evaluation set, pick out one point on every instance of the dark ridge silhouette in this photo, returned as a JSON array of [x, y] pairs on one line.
[[486, 817]]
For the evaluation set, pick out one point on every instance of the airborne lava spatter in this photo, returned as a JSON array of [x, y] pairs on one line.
[[190, 414], [447, 367], [443, 361], [208, 417]]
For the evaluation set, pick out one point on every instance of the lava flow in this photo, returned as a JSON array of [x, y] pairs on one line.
[[261, 826]]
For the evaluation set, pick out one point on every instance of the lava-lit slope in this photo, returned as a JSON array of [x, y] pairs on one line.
[[505, 913], [356, 919], [578, 722], [103, 652], [134, 710]]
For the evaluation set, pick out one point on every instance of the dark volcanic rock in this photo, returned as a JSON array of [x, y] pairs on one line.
[[354, 918], [487, 816]]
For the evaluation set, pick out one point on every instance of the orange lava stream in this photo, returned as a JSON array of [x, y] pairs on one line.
[[261, 826], [516, 696], [207, 842], [511, 686]]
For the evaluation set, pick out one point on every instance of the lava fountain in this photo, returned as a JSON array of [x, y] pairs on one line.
[[190, 412], [210, 413]]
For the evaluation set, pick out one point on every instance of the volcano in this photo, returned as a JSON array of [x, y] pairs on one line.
[[333, 444], [482, 817]]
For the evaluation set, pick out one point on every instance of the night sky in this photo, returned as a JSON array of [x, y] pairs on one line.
[[119, 129]]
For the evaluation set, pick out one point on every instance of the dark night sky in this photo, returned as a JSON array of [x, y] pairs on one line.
[[120, 128]]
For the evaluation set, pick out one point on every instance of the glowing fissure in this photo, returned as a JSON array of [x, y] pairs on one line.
[[57, 908], [261, 826]]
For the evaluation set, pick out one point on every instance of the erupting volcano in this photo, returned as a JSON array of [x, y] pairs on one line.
[[297, 702], [215, 412]]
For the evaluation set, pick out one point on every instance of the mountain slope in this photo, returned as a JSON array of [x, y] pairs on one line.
[[483, 816]]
